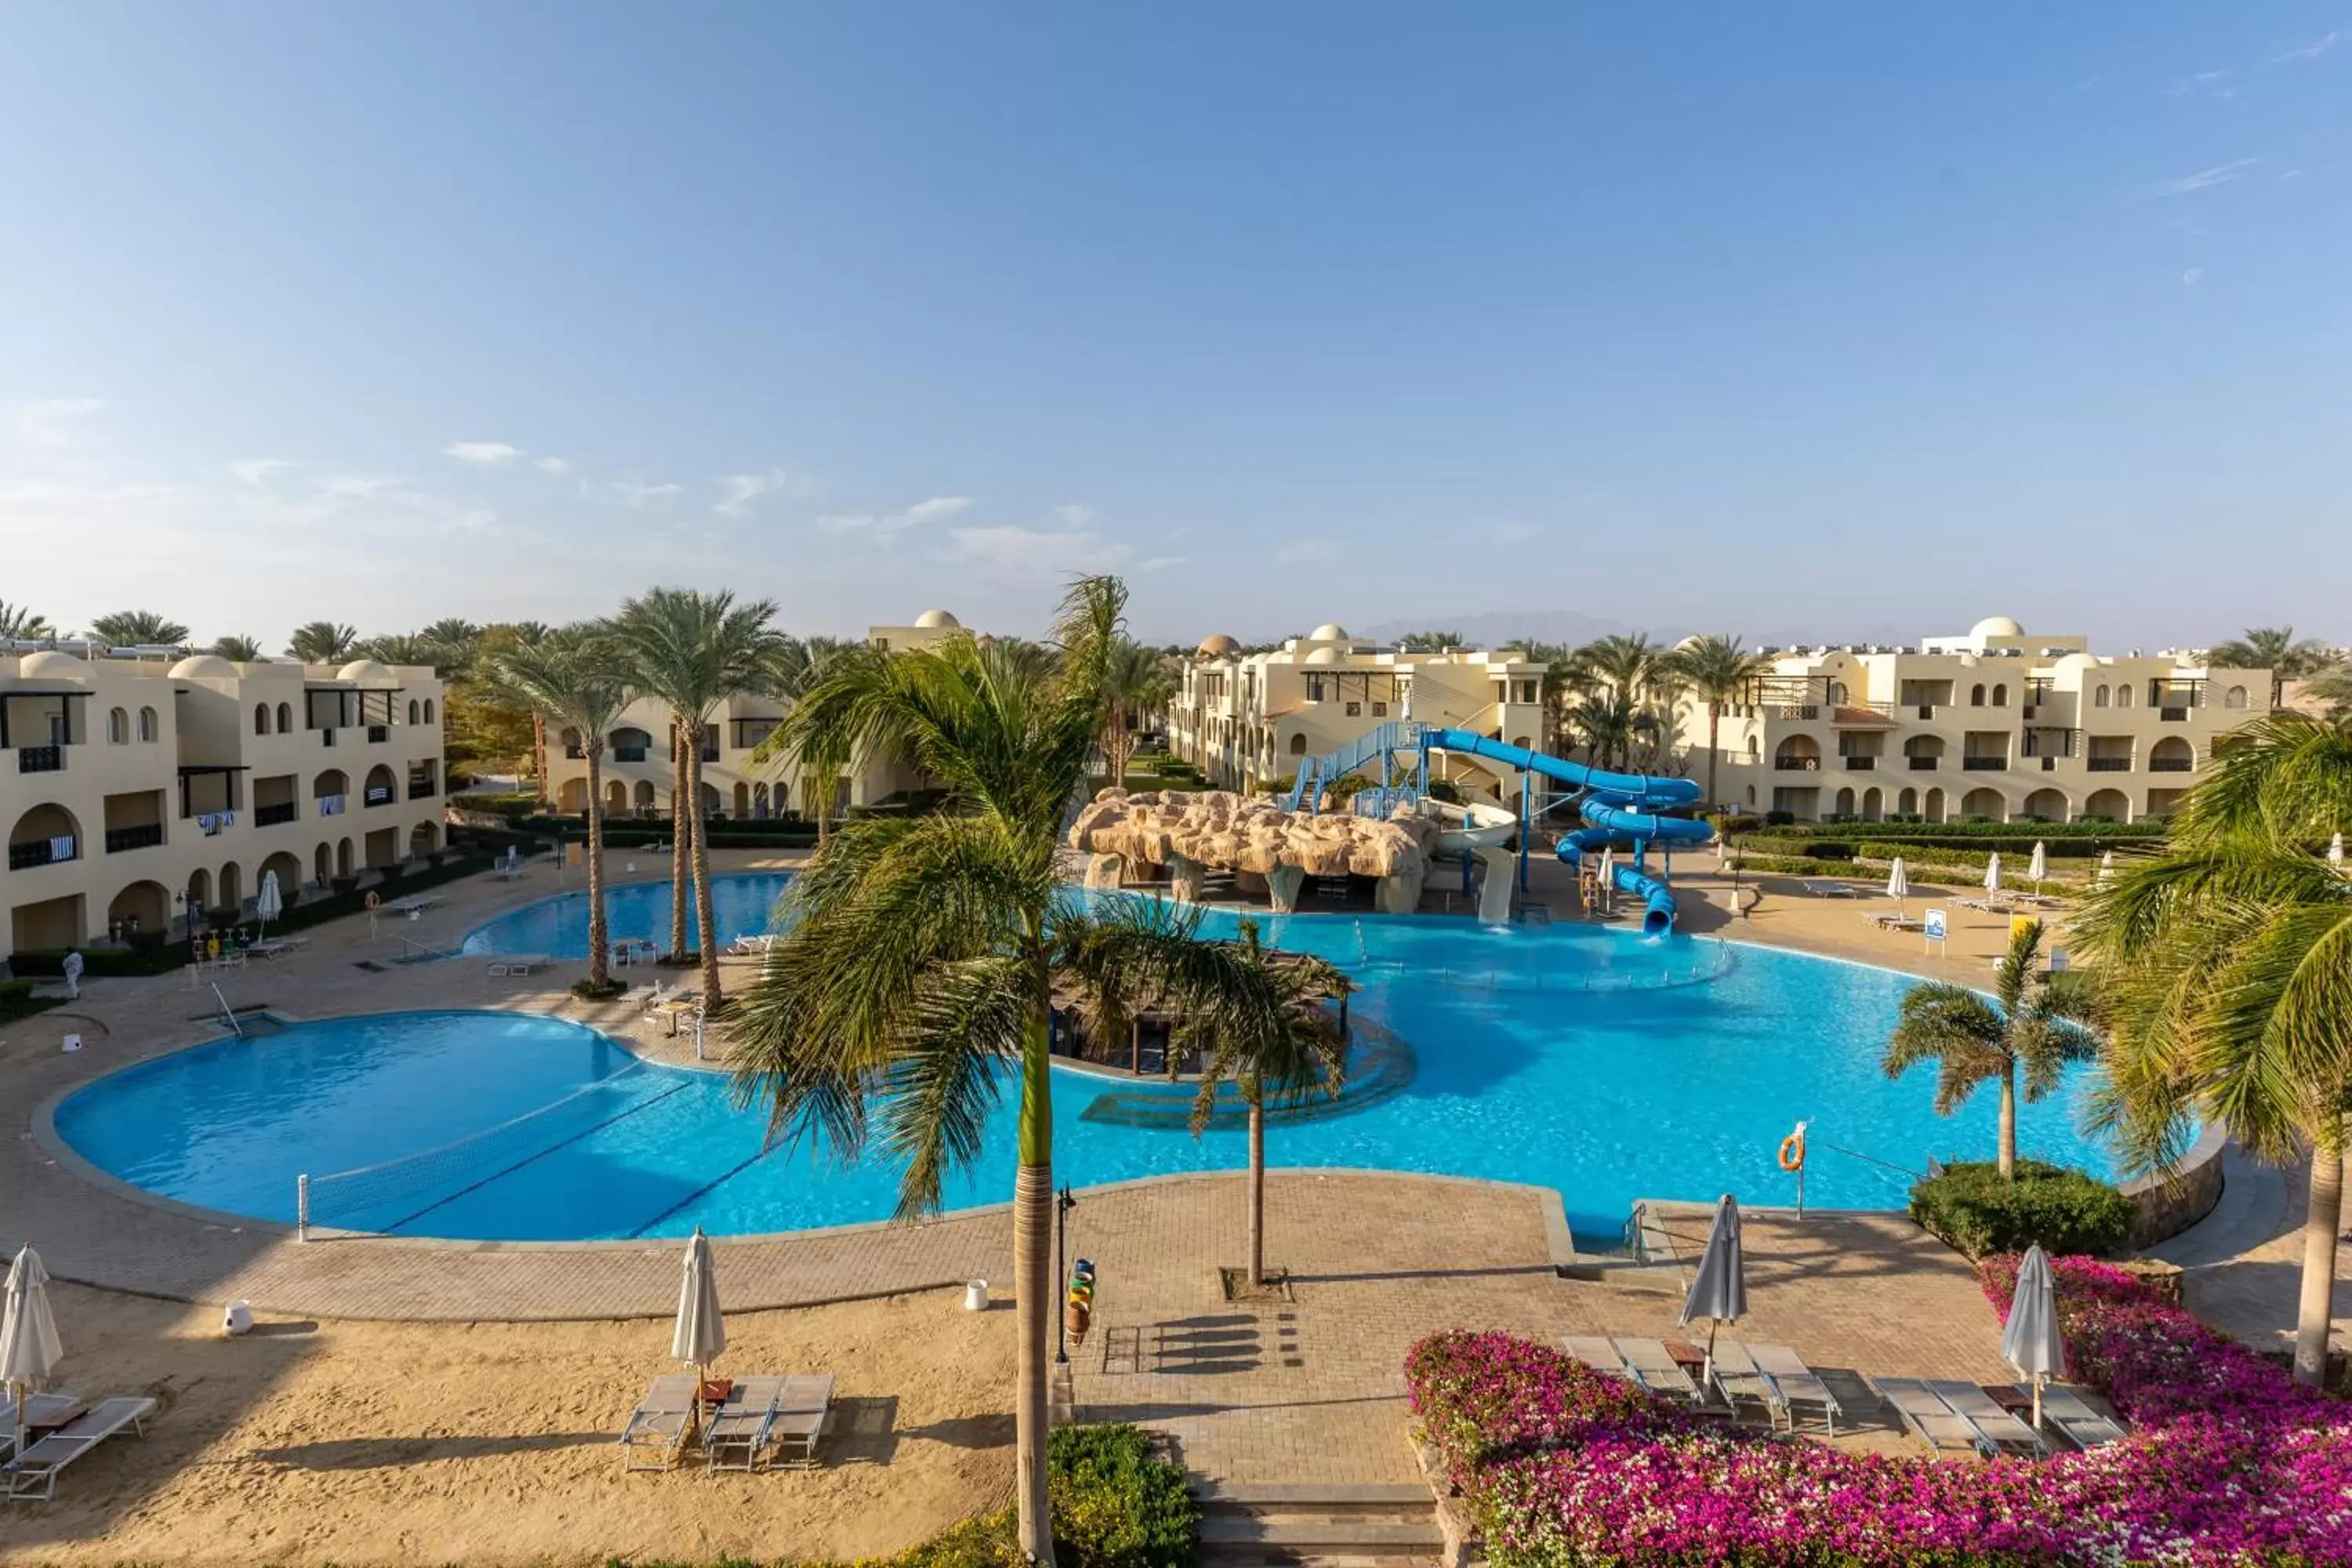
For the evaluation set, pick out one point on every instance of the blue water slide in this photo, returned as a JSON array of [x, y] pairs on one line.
[[1616, 807]]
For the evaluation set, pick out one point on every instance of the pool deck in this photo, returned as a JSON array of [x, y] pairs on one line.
[[1378, 1259]]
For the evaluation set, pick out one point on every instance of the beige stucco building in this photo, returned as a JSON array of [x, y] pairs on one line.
[[638, 761], [137, 786], [1997, 724], [1247, 720]]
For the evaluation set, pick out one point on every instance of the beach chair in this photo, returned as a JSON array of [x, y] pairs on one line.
[[798, 1423], [1738, 1377], [1926, 1415], [660, 1425], [42, 1410], [1798, 1383], [1599, 1354], [2075, 1420], [518, 963], [737, 1433], [1887, 919], [33, 1476], [1998, 1430], [1657, 1369], [1830, 890]]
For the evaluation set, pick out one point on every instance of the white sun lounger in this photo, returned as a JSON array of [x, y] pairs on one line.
[[518, 963], [1830, 890], [1738, 1377], [34, 1475], [2076, 1421], [1798, 1383], [752, 945], [737, 1432], [799, 1421], [1657, 1370], [1997, 1428], [660, 1425], [1599, 1354], [1926, 1415]]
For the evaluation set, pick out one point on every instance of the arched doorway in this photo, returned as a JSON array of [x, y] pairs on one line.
[[574, 797], [329, 785], [342, 858], [742, 800], [2112, 804], [709, 798], [43, 836], [1873, 804], [287, 869], [322, 865], [140, 907], [2171, 755], [2049, 804], [199, 892], [616, 795], [1907, 802], [1843, 805], [1798, 754], [1933, 810], [423, 839], [644, 798], [1985, 803], [231, 887]]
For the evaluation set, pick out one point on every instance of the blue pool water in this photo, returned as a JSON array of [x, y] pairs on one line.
[[558, 927], [1559, 1056]]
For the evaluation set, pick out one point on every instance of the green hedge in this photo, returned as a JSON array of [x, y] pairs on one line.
[[17, 1001], [2051, 833], [1922, 878], [1969, 1208]]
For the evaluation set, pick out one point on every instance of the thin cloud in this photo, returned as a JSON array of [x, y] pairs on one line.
[[496, 454], [2206, 179], [738, 491], [55, 421], [1307, 551], [1011, 554], [1074, 515], [2317, 49], [553, 465], [1158, 562], [259, 471], [636, 497], [2206, 84], [884, 524]]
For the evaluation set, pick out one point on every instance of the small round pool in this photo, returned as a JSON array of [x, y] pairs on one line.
[[1584, 1059], [557, 927]]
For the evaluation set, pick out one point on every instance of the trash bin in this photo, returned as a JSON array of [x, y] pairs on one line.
[[975, 1296]]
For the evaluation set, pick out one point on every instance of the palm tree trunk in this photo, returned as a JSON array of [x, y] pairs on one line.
[[600, 973], [680, 844], [1035, 1297], [2009, 1122], [539, 755], [1714, 718], [2322, 1217], [705, 932], [1257, 1191]]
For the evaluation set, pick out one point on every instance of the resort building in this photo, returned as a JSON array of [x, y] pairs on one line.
[[1997, 724], [1246, 720], [139, 788], [639, 753]]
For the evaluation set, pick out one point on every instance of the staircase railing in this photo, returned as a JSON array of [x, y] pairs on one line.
[[1318, 773]]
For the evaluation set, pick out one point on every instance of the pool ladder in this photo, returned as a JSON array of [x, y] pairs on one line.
[[227, 1013]]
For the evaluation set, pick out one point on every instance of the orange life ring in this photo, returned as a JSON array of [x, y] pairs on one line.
[[1793, 1151], [374, 900]]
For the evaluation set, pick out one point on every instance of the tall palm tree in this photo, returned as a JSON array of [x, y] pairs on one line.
[[575, 681], [456, 640], [1604, 720], [19, 624], [2231, 959], [915, 982], [801, 664], [1623, 664], [1137, 683], [2040, 1023], [1267, 1031], [323, 642], [1719, 672], [1429, 642], [2276, 649], [693, 650], [238, 649], [400, 648], [138, 628], [2333, 686]]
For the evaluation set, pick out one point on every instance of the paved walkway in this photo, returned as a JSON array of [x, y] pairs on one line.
[[2244, 1261]]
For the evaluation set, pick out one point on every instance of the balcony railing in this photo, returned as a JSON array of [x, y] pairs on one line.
[[379, 734], [145, 837], [421, 789], [2173, 715], [1860, 764], [40, 759], [628, 753], [1925, 764], [41, 852], [1985, 764], [271, 815], [1798, 765], [2172, 764], [1797, 710], [377, 794], [576, 753], [330, 805], [2109, 764]]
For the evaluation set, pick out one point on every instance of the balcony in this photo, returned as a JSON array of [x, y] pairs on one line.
[[271, 815], [1984, 764], [40, 759], [2172, 764], [377, 794], [2109, 764], [1925, 764], [423, 789], [379, 734], [326, 737], [576, 753], [41, 852], [1858, 765], [1797, 765], [628, 753], [145, 837], [2173, 715]]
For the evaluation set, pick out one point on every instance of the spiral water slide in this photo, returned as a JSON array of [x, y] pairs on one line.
[[1616, 808]]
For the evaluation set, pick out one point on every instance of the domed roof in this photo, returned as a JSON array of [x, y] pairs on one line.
[[1995, 627], [52, 662], [1322, 656], [2078, 660], [366, 670], [1217, 646], [937, 620], [1329, 631], [210, 665]]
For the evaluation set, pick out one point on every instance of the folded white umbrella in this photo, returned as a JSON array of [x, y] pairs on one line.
[[702, 1331], [29, 1350], [2106, 869], [1992, 873], [2038, 869], [1898, 883], [269, 904], [2030, 1342], [2335, 852]]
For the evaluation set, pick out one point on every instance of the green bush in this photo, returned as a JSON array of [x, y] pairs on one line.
[[17, 1001], [1968, 1207], [1828, 850], [1977, 830]]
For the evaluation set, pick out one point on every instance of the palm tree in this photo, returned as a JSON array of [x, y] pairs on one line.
[[2333, 686], [1624, 664], [1719, 672], [238, 651], [1137, 683], [2276, 649], [1604, 720], [2040, 1023], [19, 624], [323, 642], [138, 628], [572, 678], [1267, 1030], [1429, 642], [693, 650], [916, 978], [2230, 954], [801, 664], [400, 648]]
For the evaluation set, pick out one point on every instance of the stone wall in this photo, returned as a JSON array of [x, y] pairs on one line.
[[2169, 1204]]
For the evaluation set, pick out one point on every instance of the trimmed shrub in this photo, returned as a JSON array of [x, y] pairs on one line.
[[1969, 1208], [17, 1001]]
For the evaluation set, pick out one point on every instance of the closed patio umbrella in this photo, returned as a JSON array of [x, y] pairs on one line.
[[1898, 883], [2038, 868], [702, 1331], [2107, 870], [1992, 873], [2335, 852], [29, 1334], [1718, 1291], [2030, 1342], [1607, 874], [269, 904]]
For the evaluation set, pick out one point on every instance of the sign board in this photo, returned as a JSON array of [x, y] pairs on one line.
[[1932, 925]]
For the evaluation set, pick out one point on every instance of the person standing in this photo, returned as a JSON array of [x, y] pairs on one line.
[[72, 968]]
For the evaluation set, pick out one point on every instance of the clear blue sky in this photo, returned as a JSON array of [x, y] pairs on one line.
[[1824, 318]]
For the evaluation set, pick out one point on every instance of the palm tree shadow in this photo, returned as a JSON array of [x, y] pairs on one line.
[[392, 1453]]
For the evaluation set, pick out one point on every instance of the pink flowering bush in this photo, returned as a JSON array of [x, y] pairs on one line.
[[2228, 1462]]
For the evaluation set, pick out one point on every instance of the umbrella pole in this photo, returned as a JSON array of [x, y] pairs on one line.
[[2037, 1402], [1706, 1375]]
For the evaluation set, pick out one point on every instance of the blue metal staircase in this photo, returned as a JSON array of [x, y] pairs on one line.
[[1317, 775]]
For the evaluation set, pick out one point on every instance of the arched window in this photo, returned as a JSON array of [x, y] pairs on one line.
[[261, 718], [1837, 693], [2235, 698], [118, 726], [1298, 745], [2124, 695], [151, 729], [2099, 698], [1755, 748], [2000, 695], [428, 710], [412, 710], [1975, 695], [285, 718]]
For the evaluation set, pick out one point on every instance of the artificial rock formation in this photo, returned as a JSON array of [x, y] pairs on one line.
[[1255, 837]]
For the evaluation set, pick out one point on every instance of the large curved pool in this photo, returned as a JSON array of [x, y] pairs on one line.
[[1572, 1056]]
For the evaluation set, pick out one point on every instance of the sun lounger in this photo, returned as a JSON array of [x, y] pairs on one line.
[[1600, 1354], [752, 945], [1999, 1429], [1926, 1415], [660, 1425], [518, 963], [34, 1474], [42, 1411], [277, 946], [1657, 1369], [2075, 1420], [1830, 890], [1738, 1377], [1798, 1383], [800, 1417], [737, 1433]]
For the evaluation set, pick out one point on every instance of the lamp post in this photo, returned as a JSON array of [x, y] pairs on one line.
[[1063, 1203]]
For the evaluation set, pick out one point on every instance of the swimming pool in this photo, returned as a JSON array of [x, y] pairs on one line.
[[557, 927], [1572, 1056]]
